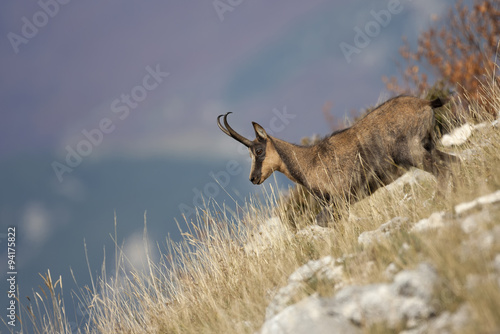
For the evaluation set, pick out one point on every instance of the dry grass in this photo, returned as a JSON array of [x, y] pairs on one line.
[[215, 282]]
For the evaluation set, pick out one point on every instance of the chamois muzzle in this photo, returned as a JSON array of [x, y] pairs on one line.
[[256, 179], [230, 132]]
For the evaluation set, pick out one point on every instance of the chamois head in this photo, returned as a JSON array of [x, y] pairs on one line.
[[264, 157]]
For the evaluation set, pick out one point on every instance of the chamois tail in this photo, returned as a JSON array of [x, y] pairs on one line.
[[438, 102]]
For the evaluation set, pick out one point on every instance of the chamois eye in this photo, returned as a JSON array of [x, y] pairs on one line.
[[259, 151]]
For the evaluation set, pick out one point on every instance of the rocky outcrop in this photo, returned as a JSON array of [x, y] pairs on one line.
[[445, 323], [326, 268], [404, 303], [407, 302], [311, 315], [461, 134], [463, 211]]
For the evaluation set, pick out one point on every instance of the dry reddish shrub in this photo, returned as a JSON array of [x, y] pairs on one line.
[[461, 52]]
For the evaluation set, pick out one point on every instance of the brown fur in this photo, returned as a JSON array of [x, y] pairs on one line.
[[353, 163]]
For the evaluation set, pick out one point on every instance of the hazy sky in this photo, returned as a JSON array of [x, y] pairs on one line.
[[148, 79], [67, 65]]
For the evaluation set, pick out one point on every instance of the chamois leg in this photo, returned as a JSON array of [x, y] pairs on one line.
[[332, 211], [447, 158], [327, 215], [439, 164], [425, 156]]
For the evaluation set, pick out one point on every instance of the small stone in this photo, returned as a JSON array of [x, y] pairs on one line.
[[404, 248], [391, 270]]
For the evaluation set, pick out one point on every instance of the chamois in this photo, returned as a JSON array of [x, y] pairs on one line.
[[351, 164]]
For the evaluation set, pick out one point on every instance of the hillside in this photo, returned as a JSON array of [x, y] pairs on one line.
[[403, 261]]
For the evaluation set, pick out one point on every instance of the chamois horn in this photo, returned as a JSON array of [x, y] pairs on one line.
[[231, 133]]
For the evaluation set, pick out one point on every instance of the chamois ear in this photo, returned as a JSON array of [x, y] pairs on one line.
[[259, 131]]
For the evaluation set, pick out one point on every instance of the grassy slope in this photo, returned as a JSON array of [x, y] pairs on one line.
[[224, 274]]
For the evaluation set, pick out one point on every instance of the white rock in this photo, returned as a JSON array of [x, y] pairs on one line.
[[445, 323], [285, 296], [307, 317], [404, 248], [416, 283], [326, 268], [483, 200], [407, 299], [458, 136], [469, 224], [435, 221], [413, 176], [479, 244], [383, 232]]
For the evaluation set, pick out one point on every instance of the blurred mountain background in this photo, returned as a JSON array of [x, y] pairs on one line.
[[151, 78]]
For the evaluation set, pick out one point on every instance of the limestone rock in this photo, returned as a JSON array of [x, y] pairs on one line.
[[407, 301], [445, 323], [384, 231], [435, 221], [483, 200], [326, 268], [412, 177], [458, 136], [309, 316]]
